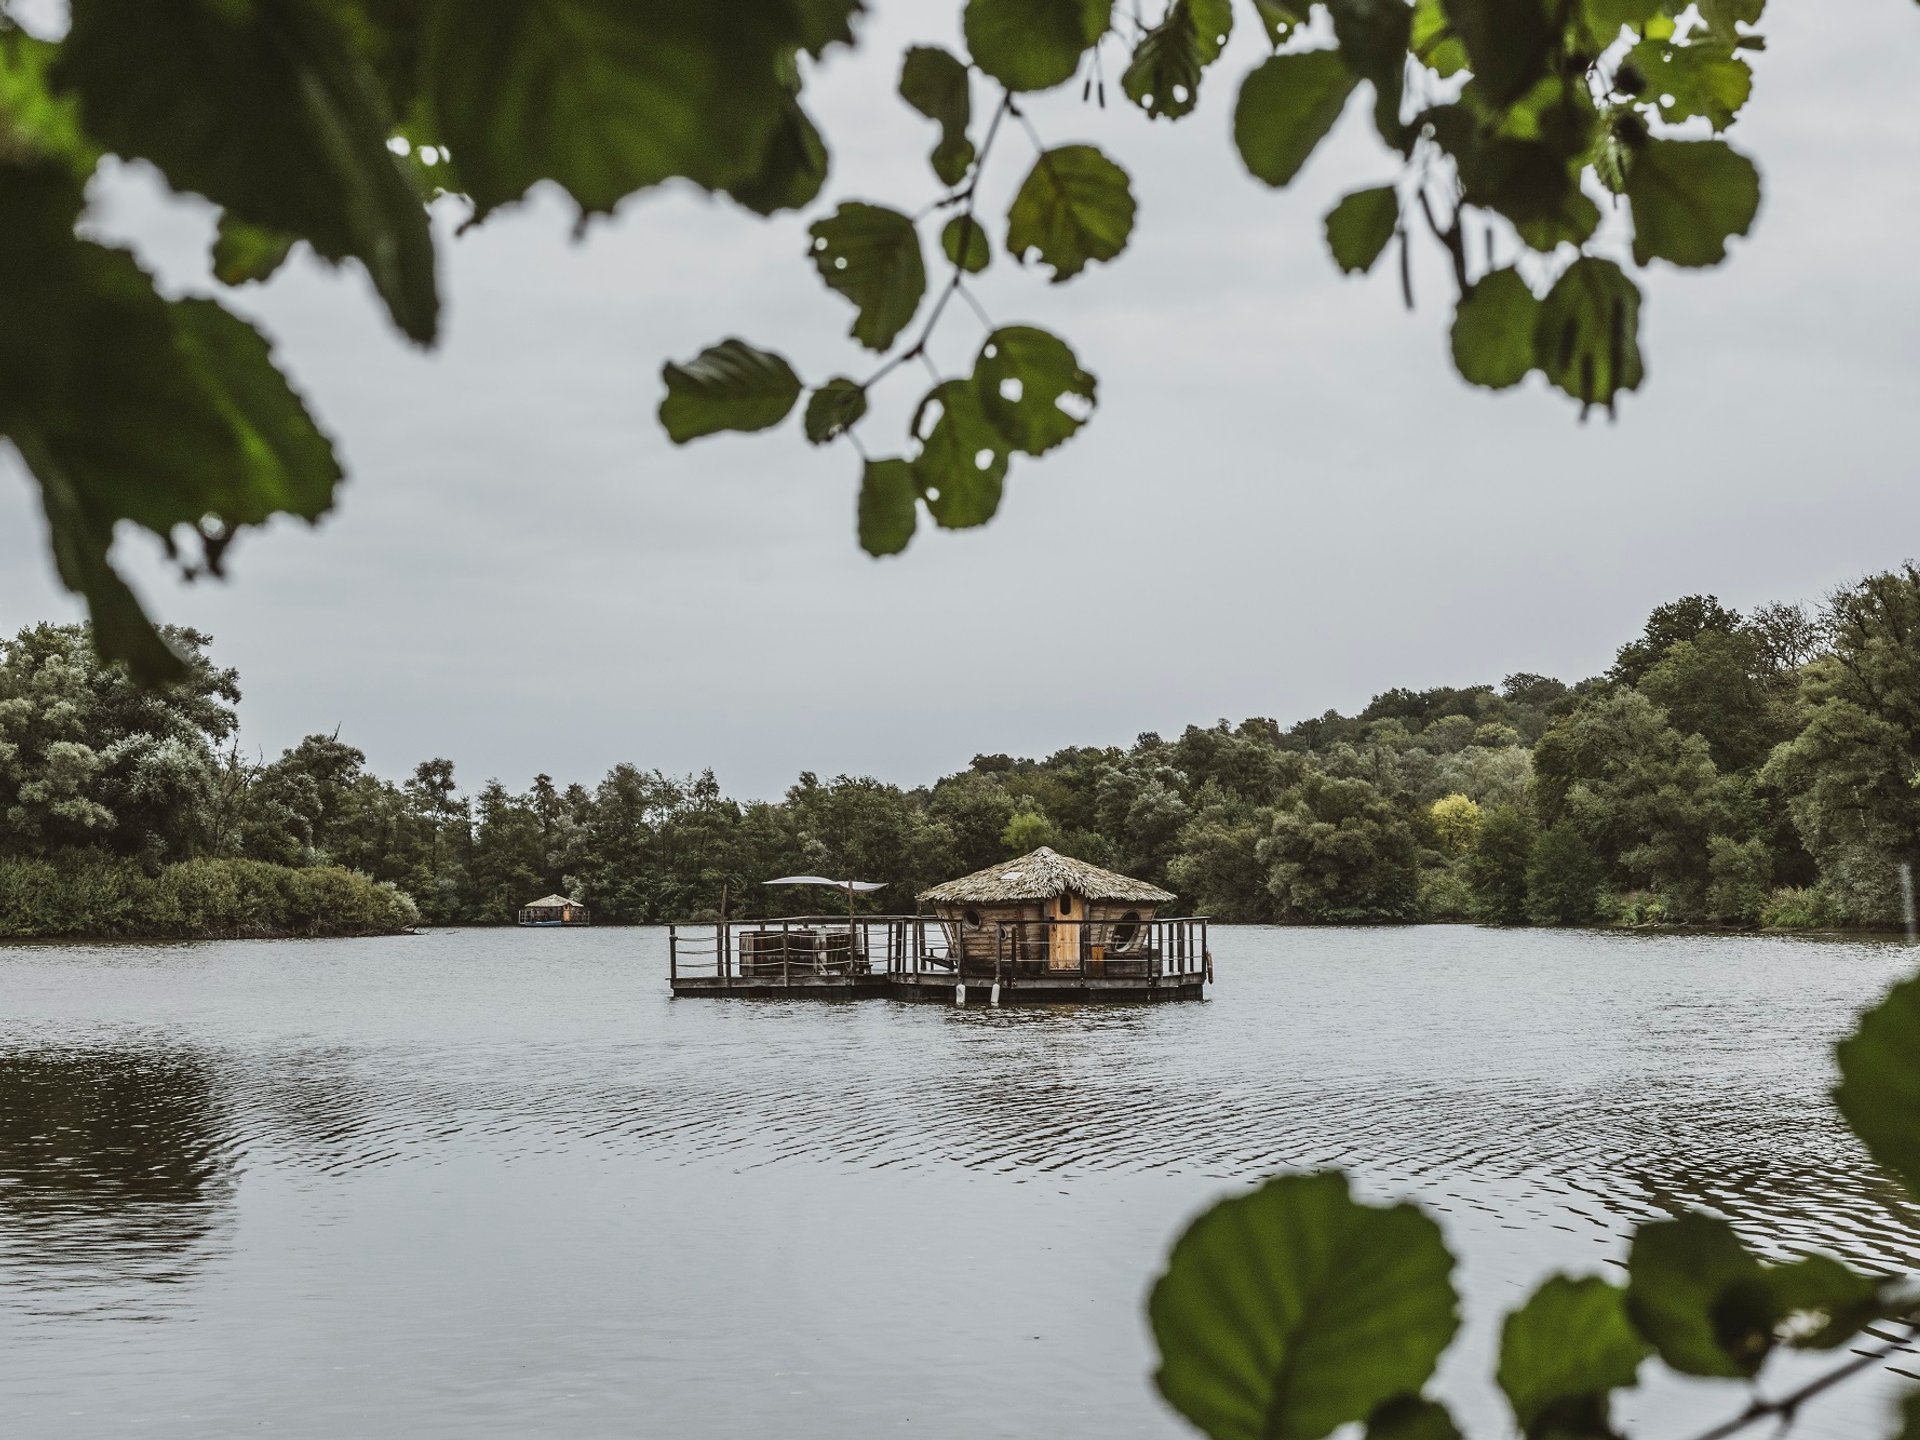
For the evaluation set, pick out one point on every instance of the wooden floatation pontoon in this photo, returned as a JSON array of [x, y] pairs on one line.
[[1042, 927]]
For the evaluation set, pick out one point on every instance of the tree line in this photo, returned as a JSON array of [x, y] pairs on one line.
[[1728, 769]]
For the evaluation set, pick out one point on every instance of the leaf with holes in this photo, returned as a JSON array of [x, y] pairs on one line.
[[729, 386], [935, 83], [1359, 227], [1564, 1352], [1879, 1090], [268, 111], [1023, 375], [243, 252], [1508, 43], [1587, 336], [964, 239], [1493, 330], [1295, 1309], [833, 409], [1163, 78], [1285, 109], [1698, 79], [1033, 44], [889, 506], [1075, 206], [1688, 197], [1696, 1293], [871, 255], [962, 462]]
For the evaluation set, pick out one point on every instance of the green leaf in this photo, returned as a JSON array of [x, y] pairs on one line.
[[793, 168], [1695, 1292], [935, 83], [1033, 44], [965, 233], [1879, 1090], [1295, 1309], [267, 111], [1508, 43], [1526, 180], [962, 462], [1022, 374], [1573, 224], [1698, 79], [1830, 1303], [834, 408], [1587, 339], [1373, 36], [1909, 1417], [1279, 18], [243, 252], [1605, 18], [1074, 206], [607, 97], [1286, 106], [1563, 1352], [872, 256], [1359, 227], [1433, 42], [729, 386], [1493, 330], [1409, 1417], [1688, 196], [889, 506], [33, 118], [1164, 76]]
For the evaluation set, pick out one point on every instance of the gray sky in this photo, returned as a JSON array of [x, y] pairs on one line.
[[1287, 501]]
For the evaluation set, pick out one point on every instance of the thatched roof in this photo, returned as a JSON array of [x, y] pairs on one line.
[[1041, 876], [550, 902]]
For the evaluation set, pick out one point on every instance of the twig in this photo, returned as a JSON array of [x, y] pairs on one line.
[[1788, 1405], [1449, 236]]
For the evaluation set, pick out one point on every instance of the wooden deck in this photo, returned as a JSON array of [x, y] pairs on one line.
[[910, 957]]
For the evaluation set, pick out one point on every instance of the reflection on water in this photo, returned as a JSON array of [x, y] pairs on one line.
[[503, 1182]]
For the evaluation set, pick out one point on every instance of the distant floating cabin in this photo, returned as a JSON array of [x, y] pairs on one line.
[[554, 910], [1048, 907], [1044, 927]]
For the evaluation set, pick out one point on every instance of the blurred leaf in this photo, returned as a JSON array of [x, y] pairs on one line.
[[607, 97], [34, 121], [1573, 224], [1022, 374], [1493, 330], [889, 506], [729, 386], [1164, 76], [967, 231], [1701, 78], [1524, 180], [243, 252], [1696, 1294], [1286, 106], [1295, 1309], [1075, 206], [963, 458], [268, 112], [1588, 337], [1433, 42], [1688, 197], [1412, 1418], [935, 84], [1606, 17], [1909, 1417], [1563, 1352], [1818, 1289], [1373, 36], [1879, 1090], [1507, 42], [834, 408], [1279, 18], [872, 256], [1033, 44], [1359, 227], [792, 170]]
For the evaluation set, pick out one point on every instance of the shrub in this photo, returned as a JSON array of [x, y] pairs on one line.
[[1739, 876], [1796, 908], [1563, 878], [1638, 909]]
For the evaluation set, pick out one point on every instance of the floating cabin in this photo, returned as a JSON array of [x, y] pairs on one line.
[[1042, 927], [554, 910]]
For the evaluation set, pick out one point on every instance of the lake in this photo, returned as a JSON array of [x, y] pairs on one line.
[[497, 1183]]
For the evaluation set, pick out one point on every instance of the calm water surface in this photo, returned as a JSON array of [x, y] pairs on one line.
[[497, 1183]]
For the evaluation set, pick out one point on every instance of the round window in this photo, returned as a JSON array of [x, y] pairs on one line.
[[1126, 930], [972, 917]]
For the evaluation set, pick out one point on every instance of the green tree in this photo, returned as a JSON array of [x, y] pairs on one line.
[[1685, 619], [1028, 830], [1564, 878], [1337, 850], [1497, 868]]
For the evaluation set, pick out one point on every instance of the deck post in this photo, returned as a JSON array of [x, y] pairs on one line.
[[786, 971], [673, 953]]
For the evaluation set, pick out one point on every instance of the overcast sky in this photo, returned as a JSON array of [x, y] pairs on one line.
[[1287, 501]]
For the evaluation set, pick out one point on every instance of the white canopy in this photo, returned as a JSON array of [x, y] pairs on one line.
[[860, 886]]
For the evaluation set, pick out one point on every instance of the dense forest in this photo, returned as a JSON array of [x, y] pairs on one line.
[[1729, 769]]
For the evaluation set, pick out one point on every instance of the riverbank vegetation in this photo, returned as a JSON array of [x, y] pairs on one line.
[[1728, 769]]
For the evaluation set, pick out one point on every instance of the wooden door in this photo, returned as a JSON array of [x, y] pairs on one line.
[[1063, 940]]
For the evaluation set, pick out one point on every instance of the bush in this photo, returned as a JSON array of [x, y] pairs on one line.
[[95, 896], [1795, 908], [1563, 878], [1497, 867], [1639, 909], [1445, 893], [1739, 877]]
